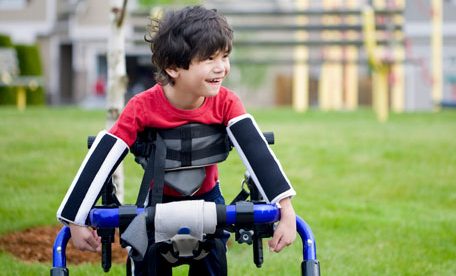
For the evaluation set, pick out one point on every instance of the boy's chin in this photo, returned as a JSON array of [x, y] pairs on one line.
[[213, 91]]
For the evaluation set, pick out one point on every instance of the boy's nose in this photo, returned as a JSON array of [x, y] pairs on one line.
[[221, 66]]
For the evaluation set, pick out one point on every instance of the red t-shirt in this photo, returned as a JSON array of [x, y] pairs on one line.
[[151, 109]]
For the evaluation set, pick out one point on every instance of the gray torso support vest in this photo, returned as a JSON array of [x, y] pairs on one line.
[[179, 155]]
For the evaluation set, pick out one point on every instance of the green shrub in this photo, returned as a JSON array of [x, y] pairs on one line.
[[30, 65], [29, 62], [5, 41], [36, 97], [7, 95]]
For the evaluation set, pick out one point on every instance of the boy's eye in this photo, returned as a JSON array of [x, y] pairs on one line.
[[224, 56]]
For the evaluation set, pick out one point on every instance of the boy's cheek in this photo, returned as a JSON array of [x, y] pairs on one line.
[[227, 70]]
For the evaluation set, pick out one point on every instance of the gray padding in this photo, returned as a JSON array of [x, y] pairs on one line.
[[186, 181], [136, 236]]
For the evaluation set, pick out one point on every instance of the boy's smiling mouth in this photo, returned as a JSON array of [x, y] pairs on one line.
[[214, 81]]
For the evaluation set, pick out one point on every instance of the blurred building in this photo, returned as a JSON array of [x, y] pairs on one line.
[[418, 74], [73, 34]]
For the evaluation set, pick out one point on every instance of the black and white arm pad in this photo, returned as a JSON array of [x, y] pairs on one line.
[[260, 161], [105, 154]]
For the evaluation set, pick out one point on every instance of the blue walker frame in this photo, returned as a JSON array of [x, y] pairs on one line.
[[263, 213], [103, 218]]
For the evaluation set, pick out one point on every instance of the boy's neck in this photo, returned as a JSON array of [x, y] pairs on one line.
[[181, 100]]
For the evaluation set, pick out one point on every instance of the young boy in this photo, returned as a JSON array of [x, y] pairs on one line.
[[190, 50]]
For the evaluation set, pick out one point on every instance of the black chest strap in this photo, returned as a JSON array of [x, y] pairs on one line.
[[155, 170]]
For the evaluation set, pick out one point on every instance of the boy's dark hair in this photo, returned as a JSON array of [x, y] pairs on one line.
[[180, 36]]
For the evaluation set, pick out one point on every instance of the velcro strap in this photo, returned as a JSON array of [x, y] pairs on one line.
[[214, 149], [244, 212], [159, 172], [196, 131], [186, 146]]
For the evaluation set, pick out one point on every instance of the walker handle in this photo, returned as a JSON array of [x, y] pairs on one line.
[[101, 217]]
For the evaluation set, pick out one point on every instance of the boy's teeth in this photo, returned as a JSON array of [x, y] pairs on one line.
[[216, 80]]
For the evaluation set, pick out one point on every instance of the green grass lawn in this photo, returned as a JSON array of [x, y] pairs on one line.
[[380, 198]]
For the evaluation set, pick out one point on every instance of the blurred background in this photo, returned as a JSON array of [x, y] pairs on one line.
[[305, 54]]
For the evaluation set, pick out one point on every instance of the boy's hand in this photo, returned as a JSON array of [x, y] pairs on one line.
[[285, 233], [85, 239]]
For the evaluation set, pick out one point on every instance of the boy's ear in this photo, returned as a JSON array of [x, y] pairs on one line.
[[172, 72]]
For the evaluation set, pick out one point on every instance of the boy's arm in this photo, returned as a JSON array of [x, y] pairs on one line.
[[84, 238], [260, 161], [105, 154], [267, 174], [285, 233]]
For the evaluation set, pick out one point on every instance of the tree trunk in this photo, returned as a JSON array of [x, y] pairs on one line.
[[117, 78]]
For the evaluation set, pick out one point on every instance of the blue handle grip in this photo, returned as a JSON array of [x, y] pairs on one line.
[[109, 217]]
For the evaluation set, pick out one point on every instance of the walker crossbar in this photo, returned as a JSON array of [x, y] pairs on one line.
[[263, 213], [109, 217]]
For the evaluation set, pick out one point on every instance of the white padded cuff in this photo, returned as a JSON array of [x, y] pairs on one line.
[[105, 154]]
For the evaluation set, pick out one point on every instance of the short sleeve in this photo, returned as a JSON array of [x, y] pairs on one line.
[[233, 107], [129, 122]]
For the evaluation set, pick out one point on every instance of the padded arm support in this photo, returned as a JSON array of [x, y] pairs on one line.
[[105, 154], [260, 161]]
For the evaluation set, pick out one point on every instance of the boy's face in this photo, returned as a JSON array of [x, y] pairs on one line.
[[203, 78]]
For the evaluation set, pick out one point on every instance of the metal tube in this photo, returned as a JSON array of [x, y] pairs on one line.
[[60, 243], [309, 249], [262, 213], [109, 217]]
